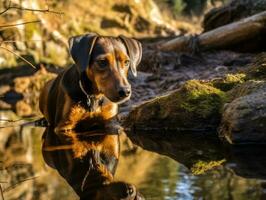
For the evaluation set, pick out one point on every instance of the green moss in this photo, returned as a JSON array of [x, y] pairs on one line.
[[194, 106], [201, 167], [229, 81], [201, 98]]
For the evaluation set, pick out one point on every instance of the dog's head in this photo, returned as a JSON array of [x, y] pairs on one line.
[[106, 61]]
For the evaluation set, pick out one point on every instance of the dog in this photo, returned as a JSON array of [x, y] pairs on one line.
[[80, 107]]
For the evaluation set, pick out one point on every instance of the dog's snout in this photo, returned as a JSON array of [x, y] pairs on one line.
[[124, 92]]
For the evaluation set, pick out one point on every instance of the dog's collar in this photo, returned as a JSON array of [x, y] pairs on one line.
[[91, 101], [89, 97]]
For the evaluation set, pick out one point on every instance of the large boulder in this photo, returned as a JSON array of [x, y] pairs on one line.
[[244, 119]]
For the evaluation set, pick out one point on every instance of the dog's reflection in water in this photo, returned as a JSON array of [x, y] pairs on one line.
[[91, 173]]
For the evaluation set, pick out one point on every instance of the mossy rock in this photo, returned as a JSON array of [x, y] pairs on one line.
[[196, 105], [229, 81], [257, 69]]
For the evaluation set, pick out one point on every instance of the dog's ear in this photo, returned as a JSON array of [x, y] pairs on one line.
[[134, 50], [80, 48]]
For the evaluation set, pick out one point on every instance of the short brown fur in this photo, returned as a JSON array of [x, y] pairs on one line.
[[78, 129]]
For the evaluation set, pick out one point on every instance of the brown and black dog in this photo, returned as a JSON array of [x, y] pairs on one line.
[[80, 105]]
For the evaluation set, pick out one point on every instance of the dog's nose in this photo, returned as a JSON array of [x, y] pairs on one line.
[[124, 92]]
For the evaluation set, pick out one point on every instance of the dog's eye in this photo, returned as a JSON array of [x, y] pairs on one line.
[[102, 63], [127, 63]]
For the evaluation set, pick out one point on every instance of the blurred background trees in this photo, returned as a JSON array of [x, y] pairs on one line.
[[45, 41]]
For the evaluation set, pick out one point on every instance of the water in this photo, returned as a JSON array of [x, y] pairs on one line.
[[159, 164]]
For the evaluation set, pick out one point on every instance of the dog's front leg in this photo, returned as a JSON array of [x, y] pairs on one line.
[[68, 118]]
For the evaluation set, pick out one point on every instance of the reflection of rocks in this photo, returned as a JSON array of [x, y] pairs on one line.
[[198, 152], [202, 152], [248, 161]]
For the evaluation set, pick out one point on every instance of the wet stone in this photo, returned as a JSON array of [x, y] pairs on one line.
[[244, 119]]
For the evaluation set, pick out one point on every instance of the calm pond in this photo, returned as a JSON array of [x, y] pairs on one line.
[[161, 165]]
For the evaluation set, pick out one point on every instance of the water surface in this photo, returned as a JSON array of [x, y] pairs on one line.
[[162, 166]]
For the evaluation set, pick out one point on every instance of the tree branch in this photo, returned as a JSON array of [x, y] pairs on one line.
[[16, 184], [1, 192], [3, 27], [9, 7], [18, 56]]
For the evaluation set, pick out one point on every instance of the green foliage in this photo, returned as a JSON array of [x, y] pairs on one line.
[[178, 6]]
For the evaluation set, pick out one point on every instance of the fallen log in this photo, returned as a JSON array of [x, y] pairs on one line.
[[222, 37]]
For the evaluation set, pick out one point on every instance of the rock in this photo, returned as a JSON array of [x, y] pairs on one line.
[[244, 119], [229, 81], [195, 106], [235, 103], [234, 11], [257, 70], [231, 12]]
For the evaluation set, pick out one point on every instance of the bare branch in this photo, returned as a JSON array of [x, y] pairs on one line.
[[10, 6], [18, 56], [16, 184], [1, 192], [37, 10], [10, 120], [15, 41], [3, 27]]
